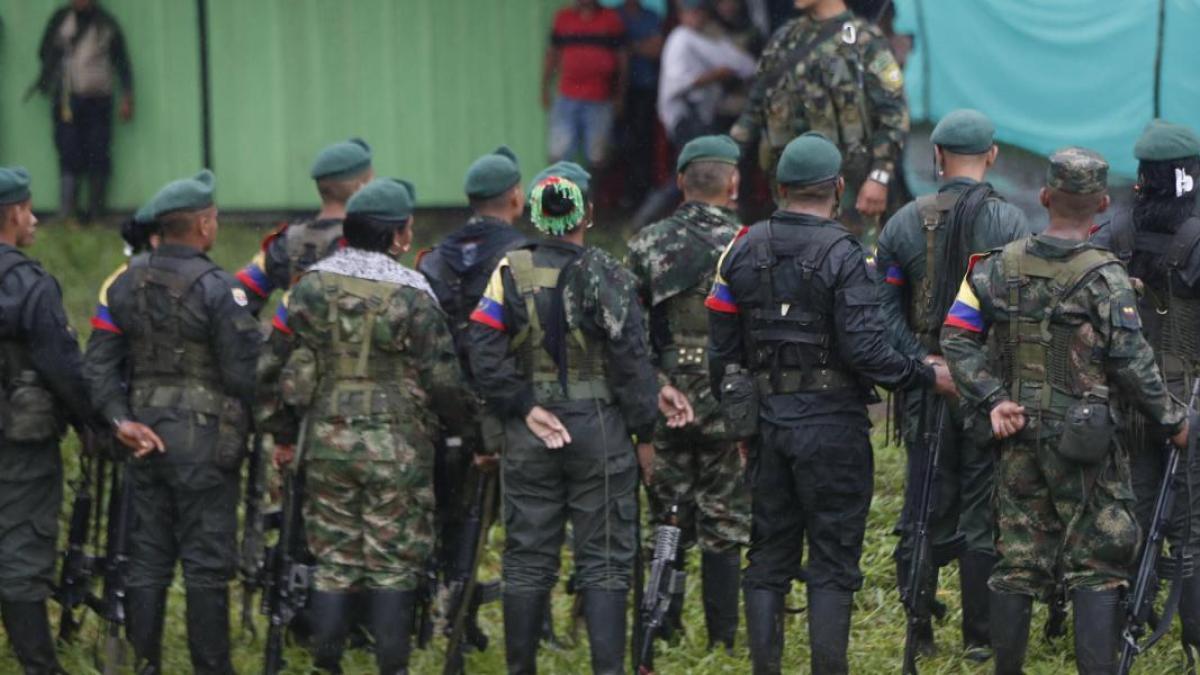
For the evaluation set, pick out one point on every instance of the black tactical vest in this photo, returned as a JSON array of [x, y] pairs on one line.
[[28, 410], [1170, 317]]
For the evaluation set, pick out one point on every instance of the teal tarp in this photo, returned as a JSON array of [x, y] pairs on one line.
[[1054, 73]]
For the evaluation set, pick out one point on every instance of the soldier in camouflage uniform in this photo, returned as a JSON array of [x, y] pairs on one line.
[[339, 171], [923, 254], [695, 469], [40, 389], [182, 326], [374, 372], [1066, 338], [557, 345], [831, 72], [1158, 240]]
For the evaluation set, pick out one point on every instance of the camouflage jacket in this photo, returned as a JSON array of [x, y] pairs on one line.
[[410, 378], [900, 256], [1103, 337], [674, 262], [598, 299], [828, 91]]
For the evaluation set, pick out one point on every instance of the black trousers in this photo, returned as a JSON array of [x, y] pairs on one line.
[[84, 142]]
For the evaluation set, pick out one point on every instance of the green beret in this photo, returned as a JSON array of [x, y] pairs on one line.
[[710, 149], [492, 174], [809, 159], [14, 185], [142, 215], [1163, 141], [185, 194], [342, 160], [1078, 171], [964, 132], [569, 170], [384, 199]]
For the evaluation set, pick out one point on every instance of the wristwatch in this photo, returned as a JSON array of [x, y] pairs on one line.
[[879, 176]]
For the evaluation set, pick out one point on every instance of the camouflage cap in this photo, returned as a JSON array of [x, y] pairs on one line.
[[492, 174], [1077, 171], [964, 132], [342, 160], [1163, 141], [809, 159], [390, 199], [569, 170], [14, 185], [718, 148], [185, 194]]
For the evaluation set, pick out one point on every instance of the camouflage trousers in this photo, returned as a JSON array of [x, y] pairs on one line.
[[704, 479], [1062, 520], [369, 523]]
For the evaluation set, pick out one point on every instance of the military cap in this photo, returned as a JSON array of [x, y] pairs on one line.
[[142, 215], [809, 159], [1162, 141], [718, 148], [1077, 171], [492, 174], [964, 132], [14, 185], [342, 160], [569, 170], [185, 194], [390, 199]]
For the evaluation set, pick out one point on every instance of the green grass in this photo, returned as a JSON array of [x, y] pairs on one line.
[[82, 258]]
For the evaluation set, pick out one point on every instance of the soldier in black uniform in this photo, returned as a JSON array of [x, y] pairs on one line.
[[1159, 241], [40, 389], [182, 325], [794, 304]]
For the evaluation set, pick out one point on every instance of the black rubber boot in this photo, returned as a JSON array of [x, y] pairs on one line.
[[974, 568], [1189, 612], [28, 627], [208, 631], [1009, 615], [145, 611], [523, 614], [720, 578], [764, 630], [390, 617], [604, 612], [68, 193], [329, 621], [829, 629], [1097, 624]]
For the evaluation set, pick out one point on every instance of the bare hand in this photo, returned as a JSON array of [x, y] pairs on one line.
[[1180, 439], [547, 427], [943, 384], [1007, 419], [139, 438], [743, 448], [674, 405], [872, 198], [645, 457], [486, 463], [126, 108], [285, 454]]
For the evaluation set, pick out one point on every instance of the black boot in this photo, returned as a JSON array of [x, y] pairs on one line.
[[28, 627], [1097, 623], [145, 610], [97, 189], [523, 614], [764, 630], [1009, 615], [829, 629], [1189, 613], [329, 621], [974, 568], [719, 575], [390, 616], [208, 630], [604, 612]]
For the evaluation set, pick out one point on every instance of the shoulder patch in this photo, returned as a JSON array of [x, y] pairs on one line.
[[239, 297]]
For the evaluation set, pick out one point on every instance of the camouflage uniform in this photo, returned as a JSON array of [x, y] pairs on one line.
[[697, 468], [852, 92], [286, 253]]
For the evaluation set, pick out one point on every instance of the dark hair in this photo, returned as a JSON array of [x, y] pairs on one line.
[[489, 203], [1156, 207], [817, 192], [706, 179], [1074, 206], [369, 233], [137, 235], [556, 200], [177, 223]]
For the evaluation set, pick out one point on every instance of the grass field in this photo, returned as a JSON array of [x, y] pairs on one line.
[[81, 258]]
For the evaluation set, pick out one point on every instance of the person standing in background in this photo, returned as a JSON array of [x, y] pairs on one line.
[[644, 30]]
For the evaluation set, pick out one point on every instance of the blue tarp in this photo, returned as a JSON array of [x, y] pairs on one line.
[[1055, 72]]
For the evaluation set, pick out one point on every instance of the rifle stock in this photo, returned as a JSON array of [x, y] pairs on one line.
[[116, 568], [287, 579], [78, 566], [663, 582]]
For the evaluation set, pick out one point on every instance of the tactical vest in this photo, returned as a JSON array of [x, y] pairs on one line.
[[28, 410], [170, 369], [687, 317], [934, 212], [1035, 349], [306, 243], [1172, 323], [586, 378], [789, 334]]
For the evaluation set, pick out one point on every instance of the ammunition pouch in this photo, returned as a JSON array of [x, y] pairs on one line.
[[298, 379], [230, 416], [677, 359], [1088, 429], [30, 414], [233, 427], [739, 403]]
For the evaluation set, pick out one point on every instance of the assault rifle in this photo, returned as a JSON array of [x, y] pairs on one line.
[[1138, 605], [287, 578], [465, 592], [253, 562], [916, 593], [116, 567], [663, 583], [79, 566]]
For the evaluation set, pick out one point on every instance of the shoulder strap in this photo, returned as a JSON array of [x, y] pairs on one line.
[[801, 52], [528, 278], [11, 261]]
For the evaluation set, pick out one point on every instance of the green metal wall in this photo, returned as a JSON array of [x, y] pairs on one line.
[[431, 84]]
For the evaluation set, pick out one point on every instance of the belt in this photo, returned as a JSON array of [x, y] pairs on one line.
[[585, 390], [791, 380]]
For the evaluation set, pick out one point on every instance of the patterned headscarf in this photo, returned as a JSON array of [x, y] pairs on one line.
[[550, 223]]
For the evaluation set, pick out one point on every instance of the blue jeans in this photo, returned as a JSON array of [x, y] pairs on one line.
[[580, 126]]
